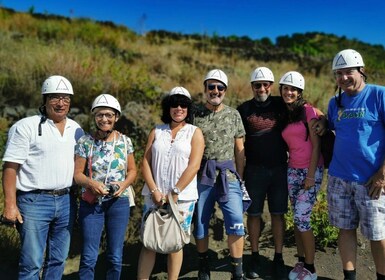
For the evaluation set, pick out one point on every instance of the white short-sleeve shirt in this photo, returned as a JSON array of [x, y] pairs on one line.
[[46, 161]]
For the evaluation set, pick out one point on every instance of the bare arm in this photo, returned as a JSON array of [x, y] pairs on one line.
[[239, 153], [197, 148], [11, 211], [316, 150]]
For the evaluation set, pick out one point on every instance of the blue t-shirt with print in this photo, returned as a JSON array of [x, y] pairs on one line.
[[359, 147]]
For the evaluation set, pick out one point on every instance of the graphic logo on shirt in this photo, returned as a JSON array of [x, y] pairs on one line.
[[353, 113]]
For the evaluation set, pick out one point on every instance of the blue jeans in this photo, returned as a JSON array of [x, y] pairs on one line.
[[232, 210], [48, 222], [113, 215]]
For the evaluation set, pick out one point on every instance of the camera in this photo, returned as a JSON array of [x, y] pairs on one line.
[[112, 189]]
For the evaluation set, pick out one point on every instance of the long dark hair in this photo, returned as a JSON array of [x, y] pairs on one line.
[[296, 112], [175, 99]]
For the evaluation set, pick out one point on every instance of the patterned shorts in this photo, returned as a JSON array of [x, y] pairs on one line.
[[350, 205], [301, 200]]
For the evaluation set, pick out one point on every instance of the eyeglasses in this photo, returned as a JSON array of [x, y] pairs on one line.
[[259, 85], [54, 99], [108, 116], [178, 104], [213, 86]]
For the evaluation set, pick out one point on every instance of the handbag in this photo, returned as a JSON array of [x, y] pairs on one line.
[[89, 196], [162, 231]]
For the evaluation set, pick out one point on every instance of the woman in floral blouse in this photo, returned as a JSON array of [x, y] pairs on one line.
[[105, 168]]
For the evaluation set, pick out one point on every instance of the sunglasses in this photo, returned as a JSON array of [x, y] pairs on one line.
[[259, 85], [100, 116], [213, 86], [177, 104]]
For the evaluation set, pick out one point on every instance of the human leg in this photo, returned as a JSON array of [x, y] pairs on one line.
[[233, 217], [174, 264], [343, 213], [59, 237], [37, 211], [257, 179], [91, 219], [203, 210], [347, 245], [116, 221], [378, 253], [277, 196], [146, 263], [372, 220], [302, 202]]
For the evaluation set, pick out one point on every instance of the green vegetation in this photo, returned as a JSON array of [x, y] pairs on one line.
[[101, 57]]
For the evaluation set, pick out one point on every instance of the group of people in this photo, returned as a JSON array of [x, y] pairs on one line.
[[266, 149]]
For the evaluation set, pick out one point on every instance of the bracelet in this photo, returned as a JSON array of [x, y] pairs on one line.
[[310, 178], [154, 190]]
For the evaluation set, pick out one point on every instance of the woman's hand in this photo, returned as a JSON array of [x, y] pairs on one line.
[[98, 188], [121, 189], [308, 183], [157, 197]]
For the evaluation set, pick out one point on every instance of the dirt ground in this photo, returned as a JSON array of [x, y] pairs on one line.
[[328, 264]]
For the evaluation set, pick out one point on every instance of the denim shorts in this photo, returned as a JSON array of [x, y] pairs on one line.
[[185, 207], [350, 205], [232, 210], [262, 182]]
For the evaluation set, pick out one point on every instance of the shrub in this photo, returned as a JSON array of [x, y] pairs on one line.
[[325, 234]]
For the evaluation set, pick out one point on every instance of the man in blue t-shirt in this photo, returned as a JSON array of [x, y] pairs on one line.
[[356, 183]]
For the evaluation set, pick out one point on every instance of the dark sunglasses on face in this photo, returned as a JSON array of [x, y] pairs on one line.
[[178, 104], [259, 85], [219, 87]]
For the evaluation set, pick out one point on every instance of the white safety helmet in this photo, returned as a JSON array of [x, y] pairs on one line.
[[218, 75], [57, 84], [181, 91], [262, 74], [293, 78], [106, 100], [347, 59]]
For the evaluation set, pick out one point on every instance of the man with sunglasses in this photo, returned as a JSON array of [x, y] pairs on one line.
[[266, 167], [219, 178], [37, 175]]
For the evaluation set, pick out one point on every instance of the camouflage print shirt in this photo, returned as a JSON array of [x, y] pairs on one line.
[[219, 130]]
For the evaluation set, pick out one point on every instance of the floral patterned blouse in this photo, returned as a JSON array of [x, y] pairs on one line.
[[105, 157]]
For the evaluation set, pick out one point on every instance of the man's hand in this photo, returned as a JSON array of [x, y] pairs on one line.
[[376, 185]]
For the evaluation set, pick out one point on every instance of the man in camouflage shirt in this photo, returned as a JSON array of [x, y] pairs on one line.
[[218, 178]]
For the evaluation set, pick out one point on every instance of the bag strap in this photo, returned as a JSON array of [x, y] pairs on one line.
[[174, 208]]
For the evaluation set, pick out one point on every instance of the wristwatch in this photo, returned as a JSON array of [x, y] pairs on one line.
[[176, 191]]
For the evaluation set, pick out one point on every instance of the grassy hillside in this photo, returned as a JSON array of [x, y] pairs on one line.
[[101, 57]]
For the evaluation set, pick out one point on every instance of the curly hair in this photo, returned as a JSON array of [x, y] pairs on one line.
[[175, 99]]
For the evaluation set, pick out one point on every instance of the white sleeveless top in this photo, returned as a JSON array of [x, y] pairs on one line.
[[170, 158]]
